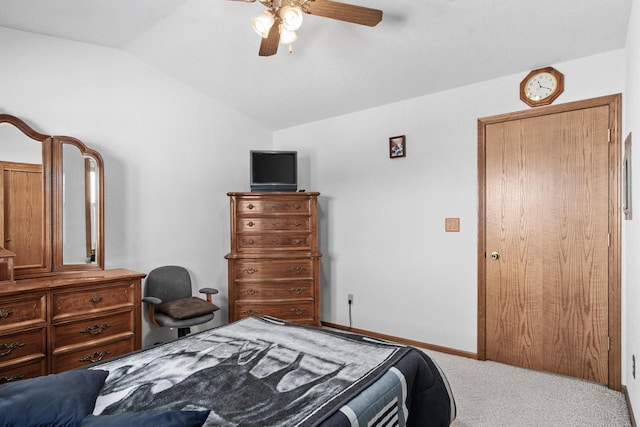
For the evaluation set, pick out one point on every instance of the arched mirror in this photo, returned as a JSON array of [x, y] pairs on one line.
[[78, 206], [51, 201], [25, 196]]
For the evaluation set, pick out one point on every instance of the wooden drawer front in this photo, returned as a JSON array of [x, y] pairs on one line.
[[274, 291], [23, 344], [90, 300], [91, 329], [296, 311], [274, 241], [63, 361], [22, 312], [281, 205], [296, 223], [23, 371], [276, 269]]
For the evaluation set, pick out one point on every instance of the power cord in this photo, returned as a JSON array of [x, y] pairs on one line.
[[350, 304]]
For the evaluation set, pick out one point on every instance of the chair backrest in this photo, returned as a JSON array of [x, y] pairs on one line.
[[170, 282]]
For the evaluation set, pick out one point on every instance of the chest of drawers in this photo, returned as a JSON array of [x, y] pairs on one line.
[[66, 321], [274, 263]]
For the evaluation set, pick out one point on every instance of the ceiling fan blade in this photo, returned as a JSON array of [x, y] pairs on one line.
[[269, 45], [344, 12]]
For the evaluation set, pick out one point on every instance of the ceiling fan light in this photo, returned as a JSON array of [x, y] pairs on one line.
[[262, 23], [291, 17], [286, 36]]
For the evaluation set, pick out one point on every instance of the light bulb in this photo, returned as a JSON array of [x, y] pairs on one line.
[[286, 36], [291, 17], [263, 23]]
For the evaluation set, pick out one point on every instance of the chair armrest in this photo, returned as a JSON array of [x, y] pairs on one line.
[[152, 300], [209, 292]]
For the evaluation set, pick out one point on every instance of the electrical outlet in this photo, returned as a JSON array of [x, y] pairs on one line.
[[350, 299], [633, 365]]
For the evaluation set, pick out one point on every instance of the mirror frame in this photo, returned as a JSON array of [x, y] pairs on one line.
[[58, 215], [52, 165], [46, 141]]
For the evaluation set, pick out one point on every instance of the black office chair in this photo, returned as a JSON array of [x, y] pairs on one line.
[[171, 303]]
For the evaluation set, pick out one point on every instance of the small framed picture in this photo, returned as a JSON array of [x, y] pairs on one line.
[[397, 146]]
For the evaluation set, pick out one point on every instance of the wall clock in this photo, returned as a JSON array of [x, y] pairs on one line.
[[541, 86]]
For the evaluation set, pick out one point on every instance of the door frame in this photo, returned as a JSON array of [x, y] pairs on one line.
[[614, 103]]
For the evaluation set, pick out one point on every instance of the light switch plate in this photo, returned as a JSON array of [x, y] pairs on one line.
[[452, 224]]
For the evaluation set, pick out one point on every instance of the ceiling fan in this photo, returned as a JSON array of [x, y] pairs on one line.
[[278, 24]]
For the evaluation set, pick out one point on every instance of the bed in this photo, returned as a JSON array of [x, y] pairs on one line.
[[261, 371]]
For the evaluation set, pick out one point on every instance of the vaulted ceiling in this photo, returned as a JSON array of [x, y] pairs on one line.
[[420, 47]]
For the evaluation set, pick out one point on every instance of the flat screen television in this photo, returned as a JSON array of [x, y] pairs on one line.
[[274, 170]]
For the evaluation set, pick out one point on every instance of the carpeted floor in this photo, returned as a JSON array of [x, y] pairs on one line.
[[493, 394]]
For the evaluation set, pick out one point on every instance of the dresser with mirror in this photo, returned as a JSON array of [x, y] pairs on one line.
[[62, 309]]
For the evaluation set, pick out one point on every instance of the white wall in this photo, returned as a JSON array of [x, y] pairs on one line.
[[631, 241], [382, 220], [170, 153]]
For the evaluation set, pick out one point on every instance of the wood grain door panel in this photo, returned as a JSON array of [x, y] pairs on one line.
[[514, 301], [546, 215]]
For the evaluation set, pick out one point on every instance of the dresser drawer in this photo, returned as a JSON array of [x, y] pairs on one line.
[[301, 312], [274, 223], [23, 311], [31, 369], [274, 241], [272, 206], [256, 292], [87, 356], [91, 300], [22, 345], [273, 269], [82, 331]]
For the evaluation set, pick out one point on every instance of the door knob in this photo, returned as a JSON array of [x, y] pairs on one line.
[[495, 255]]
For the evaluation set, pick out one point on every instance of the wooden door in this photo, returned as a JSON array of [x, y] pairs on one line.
[[23, 224], [547, 224]]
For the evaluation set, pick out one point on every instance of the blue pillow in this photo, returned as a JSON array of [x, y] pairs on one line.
[[63, 399], [151, 418]]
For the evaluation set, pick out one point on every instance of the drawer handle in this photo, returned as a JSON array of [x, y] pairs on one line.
[[95, 299], [298, 311], [298, 291], [297, 223], [9, 348], [251, 312], [95, 329], [5, 313], [250, 270], [298, 269], [251, 241], [251, 224], [297, 241], [296, 206], [250, 206], [10, 379], [95, 357], [250, 291]]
